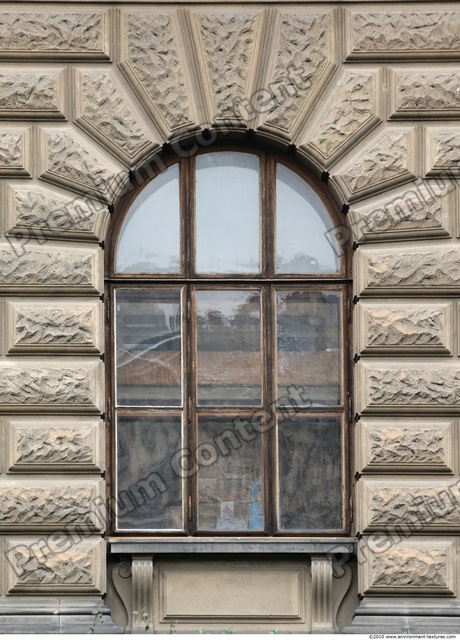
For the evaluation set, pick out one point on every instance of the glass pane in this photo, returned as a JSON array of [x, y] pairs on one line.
[[149, 240], [149, 493], [308, 328], [148, 354], [305, 241], [229, 368], [227, 213], [230, 483], [309, 474]]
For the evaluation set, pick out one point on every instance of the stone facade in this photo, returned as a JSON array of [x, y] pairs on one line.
[[361, 97]]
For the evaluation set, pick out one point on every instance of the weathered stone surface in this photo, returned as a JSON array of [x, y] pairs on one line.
[[153, 62], [387, 161], [54, 444], [405, 446], [63, 565], [423, 505], [400, 328], [429, 94], [14, 152], [428, 386], [403, 34], [304, 57], [41, 214], [63, 386], [70, 161], [104, 112], [228, 41], [350, 111], [44, 505], [408, 270], [443, 151], [54, 326], [421, 210], [49, 268], [31, 94], [414, 566], [57, 35]]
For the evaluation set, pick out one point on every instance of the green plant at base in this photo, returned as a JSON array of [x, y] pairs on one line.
[[97, 618]]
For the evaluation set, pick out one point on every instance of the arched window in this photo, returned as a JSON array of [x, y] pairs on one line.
[[229, 296]]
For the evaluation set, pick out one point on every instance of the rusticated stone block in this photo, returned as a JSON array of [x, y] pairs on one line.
[[46, 268], [54, 444], [42, 214], [422, 209], [57, 35], [69, 160], [418, 505], [63, 385], [408, 270], [417, 566], [32, 94], [400, 328], [387, 161], [55, 563], [428, 94], [152, 64], [14, 152], [52, 505], [393, 34], [442, 155], [54, 326], [351, 110], [104, 112], [427, 386], [408, 446]]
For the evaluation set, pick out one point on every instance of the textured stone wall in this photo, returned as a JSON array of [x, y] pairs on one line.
[[90, 92]]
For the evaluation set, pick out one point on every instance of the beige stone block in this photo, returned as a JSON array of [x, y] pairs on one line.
[[395, 327], [159, 81], [42, 214], [442, 151], [248, 592], [351, 109], [54, 445], [416, 566], [418, 506], [299, 73], [423, 209], [431, 93], [54, 326], [59, 384], [388, 160], [407, 270], [32, 94], [30, 268], [394, 33], [69, 160], [15, 159], [407, 446], [104, 110], [55, 564], [65, 34], [407, 387]]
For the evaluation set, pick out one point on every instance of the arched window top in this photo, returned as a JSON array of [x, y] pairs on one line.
[[244, 214]]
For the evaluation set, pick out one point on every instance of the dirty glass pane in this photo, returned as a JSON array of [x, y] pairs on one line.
[[148, 347], [227, 213], [305, 234], [229, 362], [149, 240], [230, 487], [149, 492], [308, 339], [309, 478]]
